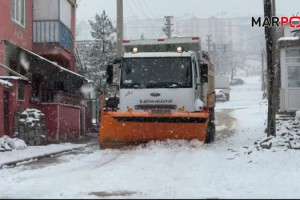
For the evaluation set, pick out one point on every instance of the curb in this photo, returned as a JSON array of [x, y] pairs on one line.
[[14, 163]]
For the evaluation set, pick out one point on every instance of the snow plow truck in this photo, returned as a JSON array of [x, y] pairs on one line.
[[165, 90]]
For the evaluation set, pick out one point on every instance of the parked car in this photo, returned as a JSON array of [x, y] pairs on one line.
[[237, 81], [95, 127], [221, 96], [222, 83]]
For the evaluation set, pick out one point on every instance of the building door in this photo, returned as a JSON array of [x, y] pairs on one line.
[[6, 113]]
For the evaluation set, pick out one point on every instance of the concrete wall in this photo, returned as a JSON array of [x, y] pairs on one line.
[[290, 81]]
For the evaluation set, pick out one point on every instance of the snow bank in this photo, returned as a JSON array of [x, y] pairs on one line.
[[17, 144], [288, 38], [8, 144]]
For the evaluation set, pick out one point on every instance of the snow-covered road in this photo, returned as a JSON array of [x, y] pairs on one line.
[[229, 168]]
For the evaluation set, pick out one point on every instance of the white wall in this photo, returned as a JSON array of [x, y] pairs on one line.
[[45, 10], [65, 12], [290, 94]]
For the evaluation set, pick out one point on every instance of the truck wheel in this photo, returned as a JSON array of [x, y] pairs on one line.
[[211, 129]]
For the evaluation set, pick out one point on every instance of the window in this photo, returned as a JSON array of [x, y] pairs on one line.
[[21, 91], [18, 11], [294, 76], [161, 72], [195, 72]]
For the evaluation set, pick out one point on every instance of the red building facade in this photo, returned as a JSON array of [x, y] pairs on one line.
[[38, 66]]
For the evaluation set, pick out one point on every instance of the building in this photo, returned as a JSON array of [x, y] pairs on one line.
[[38, 67], [289, 48]]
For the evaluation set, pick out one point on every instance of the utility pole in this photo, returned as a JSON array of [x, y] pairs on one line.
[[119, 28], [275, 65], [120, 48], [263, 71], [168, 29], [209, 43], [269, 35]]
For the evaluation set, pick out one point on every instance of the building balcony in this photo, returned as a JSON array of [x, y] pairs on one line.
[[52, 33], [58, 97]]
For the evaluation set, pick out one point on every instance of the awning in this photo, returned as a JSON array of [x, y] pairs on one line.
[[13, 72], [45, 69]]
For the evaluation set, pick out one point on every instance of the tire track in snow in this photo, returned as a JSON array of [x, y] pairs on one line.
[[225, 123]]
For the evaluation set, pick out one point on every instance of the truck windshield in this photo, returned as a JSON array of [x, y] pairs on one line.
[[164, 72]]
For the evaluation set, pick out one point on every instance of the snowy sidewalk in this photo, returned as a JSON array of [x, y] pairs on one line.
[[14, 157]]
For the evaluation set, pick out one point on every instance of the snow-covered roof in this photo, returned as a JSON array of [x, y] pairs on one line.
[[12, 78], [12, 71], [47, 61], [288, 38], [90, 81], [33, 111], [6, 83]]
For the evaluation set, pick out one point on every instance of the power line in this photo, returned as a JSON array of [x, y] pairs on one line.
[[141, 6], [134, 14], [143, 12]]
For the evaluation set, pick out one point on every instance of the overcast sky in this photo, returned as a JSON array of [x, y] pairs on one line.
[[149, 9]]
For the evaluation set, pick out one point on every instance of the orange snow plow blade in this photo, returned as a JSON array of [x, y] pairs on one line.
[[118, 129]]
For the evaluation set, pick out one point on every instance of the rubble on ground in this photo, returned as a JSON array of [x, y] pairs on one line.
[[287, 135]]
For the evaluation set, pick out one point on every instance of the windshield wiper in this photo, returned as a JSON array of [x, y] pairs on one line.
[[131, 85], [173, 85], [164, 85]]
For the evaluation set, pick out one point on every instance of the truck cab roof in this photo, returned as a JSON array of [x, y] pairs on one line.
[[158, 54]]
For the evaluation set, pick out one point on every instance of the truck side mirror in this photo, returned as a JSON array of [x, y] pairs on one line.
[[204, 73], [109, 73]]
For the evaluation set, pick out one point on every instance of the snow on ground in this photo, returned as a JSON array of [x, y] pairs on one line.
[[33, 151], [229, 168]]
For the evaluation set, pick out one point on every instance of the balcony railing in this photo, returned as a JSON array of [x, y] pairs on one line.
[[52, 31], [61, 97]]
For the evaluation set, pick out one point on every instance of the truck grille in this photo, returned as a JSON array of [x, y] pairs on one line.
[[161, 119], [155, 107]]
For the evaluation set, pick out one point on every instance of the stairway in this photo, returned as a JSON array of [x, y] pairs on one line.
[[285, 116]]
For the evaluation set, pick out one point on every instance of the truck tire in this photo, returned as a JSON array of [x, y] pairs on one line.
[[211, 129]]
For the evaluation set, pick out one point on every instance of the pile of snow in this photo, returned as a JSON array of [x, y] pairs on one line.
[[288, 38], [8, 144]]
